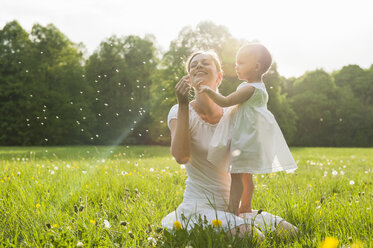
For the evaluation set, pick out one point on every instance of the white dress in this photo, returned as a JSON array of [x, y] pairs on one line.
[[207, 186], [250, 138]]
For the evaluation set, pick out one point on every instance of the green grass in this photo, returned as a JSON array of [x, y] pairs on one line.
[[61, 196]]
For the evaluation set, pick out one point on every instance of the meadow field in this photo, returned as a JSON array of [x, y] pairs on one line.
[[90, 196]]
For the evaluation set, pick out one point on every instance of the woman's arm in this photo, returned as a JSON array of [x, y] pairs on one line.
[[180, 137], [237, 97]]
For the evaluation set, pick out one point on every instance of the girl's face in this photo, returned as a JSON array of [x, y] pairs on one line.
[[246, 65], [203, 69]]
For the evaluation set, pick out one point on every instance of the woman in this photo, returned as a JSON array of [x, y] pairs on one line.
[[192, 125]]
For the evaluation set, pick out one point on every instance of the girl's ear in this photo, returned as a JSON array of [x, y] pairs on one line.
[[258, 66]]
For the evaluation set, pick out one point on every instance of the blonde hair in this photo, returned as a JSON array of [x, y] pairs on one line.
[[210, 53]]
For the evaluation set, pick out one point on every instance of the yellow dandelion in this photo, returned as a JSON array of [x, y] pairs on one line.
[[357, 244], [92, 221], [71, 193], [38, 205], [177, 225], [216, 223], [55, 226], [86, 186], [329, 242]]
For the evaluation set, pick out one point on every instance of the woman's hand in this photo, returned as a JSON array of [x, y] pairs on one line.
[[182, 89]]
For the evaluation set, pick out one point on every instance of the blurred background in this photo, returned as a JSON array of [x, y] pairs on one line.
[[103, 72]]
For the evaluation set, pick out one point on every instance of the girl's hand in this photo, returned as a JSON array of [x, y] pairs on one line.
[[203, 89], [182, 89]]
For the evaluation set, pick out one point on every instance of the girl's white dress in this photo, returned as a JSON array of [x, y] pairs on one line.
[[250, 138], [207, 186]]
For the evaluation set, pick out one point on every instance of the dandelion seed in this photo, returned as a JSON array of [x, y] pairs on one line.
[[52, 172], [84, 172], [79, 244], [216, 223], [352, 182], [334, 172], [107, 224], [124, 173], [151, 169], [177, 225], [342, 173], [68, 166], [236, 153]]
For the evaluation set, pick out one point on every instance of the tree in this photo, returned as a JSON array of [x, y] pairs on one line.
[[121, 73], [14, 78], [315, 103]]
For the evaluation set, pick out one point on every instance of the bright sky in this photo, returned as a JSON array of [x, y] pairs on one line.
[[301, 35]]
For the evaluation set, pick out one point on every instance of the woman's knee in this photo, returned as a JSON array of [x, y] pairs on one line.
[[244, 229], [284, 228]]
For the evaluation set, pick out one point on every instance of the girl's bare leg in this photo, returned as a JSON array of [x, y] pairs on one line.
[[247, 194], [236, 193]]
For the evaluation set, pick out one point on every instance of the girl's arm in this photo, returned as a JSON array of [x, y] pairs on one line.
[[180, 137], [237, 97]]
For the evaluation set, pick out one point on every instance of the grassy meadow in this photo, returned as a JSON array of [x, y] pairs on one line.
[[116, 197]]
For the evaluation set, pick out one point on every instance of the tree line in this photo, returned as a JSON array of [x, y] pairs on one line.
[[53, 93]]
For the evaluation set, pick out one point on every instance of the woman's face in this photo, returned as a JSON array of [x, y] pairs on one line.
[[203, 69]]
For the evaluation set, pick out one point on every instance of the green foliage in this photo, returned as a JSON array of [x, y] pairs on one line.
[[61, 196], [51, 95], [121, 73]]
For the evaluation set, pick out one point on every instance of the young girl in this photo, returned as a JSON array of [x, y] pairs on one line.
[[249, 133]]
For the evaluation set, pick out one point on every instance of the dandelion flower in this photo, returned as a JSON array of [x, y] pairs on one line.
[[357, 244], [329, 242], [177, 225], [216, 223], [38, 205], [55, 226]]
